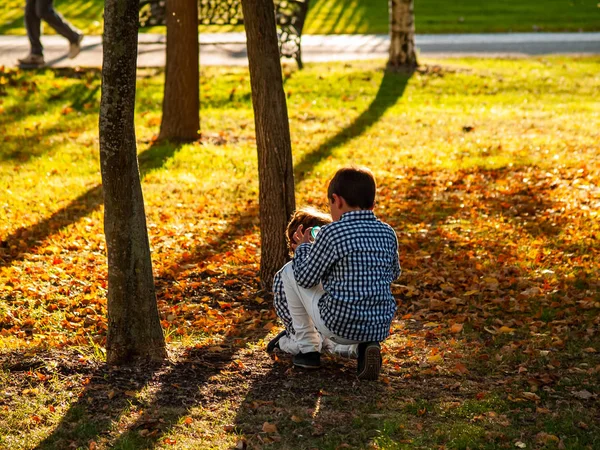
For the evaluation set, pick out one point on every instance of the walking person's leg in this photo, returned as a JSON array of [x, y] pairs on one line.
[[45, 10], [33, 27]]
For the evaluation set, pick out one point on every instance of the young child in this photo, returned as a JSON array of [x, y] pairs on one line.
[[285, 341], [339, 286]]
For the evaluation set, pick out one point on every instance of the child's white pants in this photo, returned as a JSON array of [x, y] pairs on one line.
[[290, 345], [304, 309]]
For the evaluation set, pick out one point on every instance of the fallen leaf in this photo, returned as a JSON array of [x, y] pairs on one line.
[[546, 438], [520, 444], [531, 396], [461, 368], [296, 419], [583, 394], [435, 358], [505, 329], [269, 427], [456, 328]]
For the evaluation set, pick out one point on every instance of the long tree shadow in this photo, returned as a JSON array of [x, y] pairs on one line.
[[27, 239], [390, 91], [151, 398]]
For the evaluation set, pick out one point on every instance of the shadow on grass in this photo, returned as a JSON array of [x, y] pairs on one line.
[[46, 114], [27, 239], [311, 409], [140, 404], [390, 91]]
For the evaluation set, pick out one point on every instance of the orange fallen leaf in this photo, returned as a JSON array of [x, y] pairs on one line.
[[505, 329], [269, 427], [461, 368], [456, 328]]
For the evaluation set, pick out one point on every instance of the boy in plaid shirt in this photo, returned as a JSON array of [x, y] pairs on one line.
[[339, 286]]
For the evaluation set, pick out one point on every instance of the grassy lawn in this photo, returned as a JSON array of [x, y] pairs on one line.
[[371, 16], [489, 170]]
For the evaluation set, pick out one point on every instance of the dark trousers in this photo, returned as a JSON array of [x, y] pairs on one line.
[[38, 10]]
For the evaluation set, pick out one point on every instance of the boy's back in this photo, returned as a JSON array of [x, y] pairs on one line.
[[356, 260]]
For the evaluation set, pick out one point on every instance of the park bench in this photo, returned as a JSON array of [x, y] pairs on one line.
[[289, 17]]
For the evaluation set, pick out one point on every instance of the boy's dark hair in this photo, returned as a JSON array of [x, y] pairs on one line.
[[356, 185], [308, 217]]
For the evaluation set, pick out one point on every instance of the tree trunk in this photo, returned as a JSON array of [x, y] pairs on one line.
[[275, 169], [181, 102], [402, 36], [134, 330]]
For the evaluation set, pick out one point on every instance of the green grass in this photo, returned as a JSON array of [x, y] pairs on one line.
[[371, 16], [488, 170]]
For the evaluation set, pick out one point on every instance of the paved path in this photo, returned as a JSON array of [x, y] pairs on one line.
[[230, 48]]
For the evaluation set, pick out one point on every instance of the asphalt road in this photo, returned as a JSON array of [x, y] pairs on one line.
[[230, 48]]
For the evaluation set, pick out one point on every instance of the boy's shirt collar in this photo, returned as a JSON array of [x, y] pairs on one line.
[[361, 214]]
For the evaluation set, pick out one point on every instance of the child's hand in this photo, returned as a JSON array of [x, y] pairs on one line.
[[300, 237]]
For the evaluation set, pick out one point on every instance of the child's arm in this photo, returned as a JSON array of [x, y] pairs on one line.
[[312, 261]]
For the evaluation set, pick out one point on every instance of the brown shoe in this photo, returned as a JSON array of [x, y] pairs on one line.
[[369, 361], [32, 60]]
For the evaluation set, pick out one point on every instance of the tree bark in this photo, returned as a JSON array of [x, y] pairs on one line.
[[402, 36], [181, 101], [134, 330], [274, 148]]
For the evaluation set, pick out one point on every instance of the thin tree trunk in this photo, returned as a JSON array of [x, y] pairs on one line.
[[402, 36], [134, 330], [181, 102], [275, 169]]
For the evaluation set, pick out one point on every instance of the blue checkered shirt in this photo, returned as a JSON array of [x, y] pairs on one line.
[[356, 259]]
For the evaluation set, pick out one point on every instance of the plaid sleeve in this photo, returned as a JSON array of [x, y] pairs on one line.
[[312, 261]]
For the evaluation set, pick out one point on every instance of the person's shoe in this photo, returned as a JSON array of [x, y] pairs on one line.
[[75, 47], [32, 60], [369, 360], [274, 343], [310, 360]]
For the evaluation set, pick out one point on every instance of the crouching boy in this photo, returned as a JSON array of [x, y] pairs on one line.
[[338, 287]]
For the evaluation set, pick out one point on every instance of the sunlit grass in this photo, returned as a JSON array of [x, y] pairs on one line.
[[489, 172]]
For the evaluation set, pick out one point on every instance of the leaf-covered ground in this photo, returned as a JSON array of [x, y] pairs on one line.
[[371, 16], [488, 169]]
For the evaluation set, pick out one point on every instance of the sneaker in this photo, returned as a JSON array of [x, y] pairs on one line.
[[32, 60], [369, 360], [75, 47], [274, 343], [310, 360]]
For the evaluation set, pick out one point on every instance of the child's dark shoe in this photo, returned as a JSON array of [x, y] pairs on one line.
[[369, 360], [310, 360], [274, 343]]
